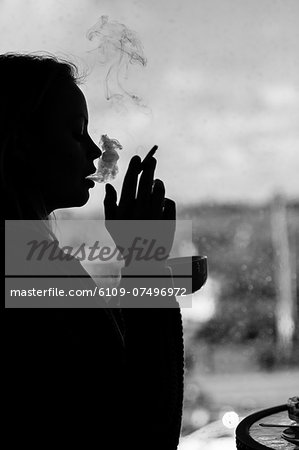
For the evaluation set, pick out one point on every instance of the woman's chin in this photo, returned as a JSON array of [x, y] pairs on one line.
[[75, 199], [78, 201], [84, 198]]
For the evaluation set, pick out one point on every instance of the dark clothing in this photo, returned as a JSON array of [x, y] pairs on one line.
[[94, 378]]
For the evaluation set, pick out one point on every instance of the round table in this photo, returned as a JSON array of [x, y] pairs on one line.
[[251, 436]]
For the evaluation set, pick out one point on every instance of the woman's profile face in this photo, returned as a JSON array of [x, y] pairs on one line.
[[63, 150]]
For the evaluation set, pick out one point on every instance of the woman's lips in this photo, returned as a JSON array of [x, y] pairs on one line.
[[89, 182]]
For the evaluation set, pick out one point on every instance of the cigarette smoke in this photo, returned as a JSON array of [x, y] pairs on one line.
[[107, 166], [119, 46]]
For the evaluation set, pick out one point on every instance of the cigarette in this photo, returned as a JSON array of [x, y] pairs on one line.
[[148, 156]]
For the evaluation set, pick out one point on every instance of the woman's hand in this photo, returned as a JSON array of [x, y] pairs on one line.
[[150, 217]]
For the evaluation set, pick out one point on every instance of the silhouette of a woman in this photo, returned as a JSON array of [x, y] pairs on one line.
[[96, 378]]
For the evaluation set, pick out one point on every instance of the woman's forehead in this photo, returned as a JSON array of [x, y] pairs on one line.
[[69, 101]]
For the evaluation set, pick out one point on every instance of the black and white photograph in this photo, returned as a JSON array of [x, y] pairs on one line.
[[149, 158]]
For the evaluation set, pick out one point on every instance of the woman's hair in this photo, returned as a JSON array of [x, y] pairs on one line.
[[25, 85]]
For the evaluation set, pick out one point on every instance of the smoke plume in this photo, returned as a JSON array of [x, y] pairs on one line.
[[107, 166], [120, 47]]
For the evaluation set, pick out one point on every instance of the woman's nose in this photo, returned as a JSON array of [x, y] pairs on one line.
[[94, 150]]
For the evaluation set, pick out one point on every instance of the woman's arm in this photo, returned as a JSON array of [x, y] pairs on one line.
[[153, 336]]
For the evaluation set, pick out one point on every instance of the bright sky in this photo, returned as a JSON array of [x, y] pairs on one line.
[[221, 86]]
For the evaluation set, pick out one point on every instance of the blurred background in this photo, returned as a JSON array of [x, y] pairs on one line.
[[220, 96]]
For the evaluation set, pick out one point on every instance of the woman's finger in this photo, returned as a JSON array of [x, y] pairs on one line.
[[128, 192], [157, 199], [110, 206], [145, 185], [169, 211]]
